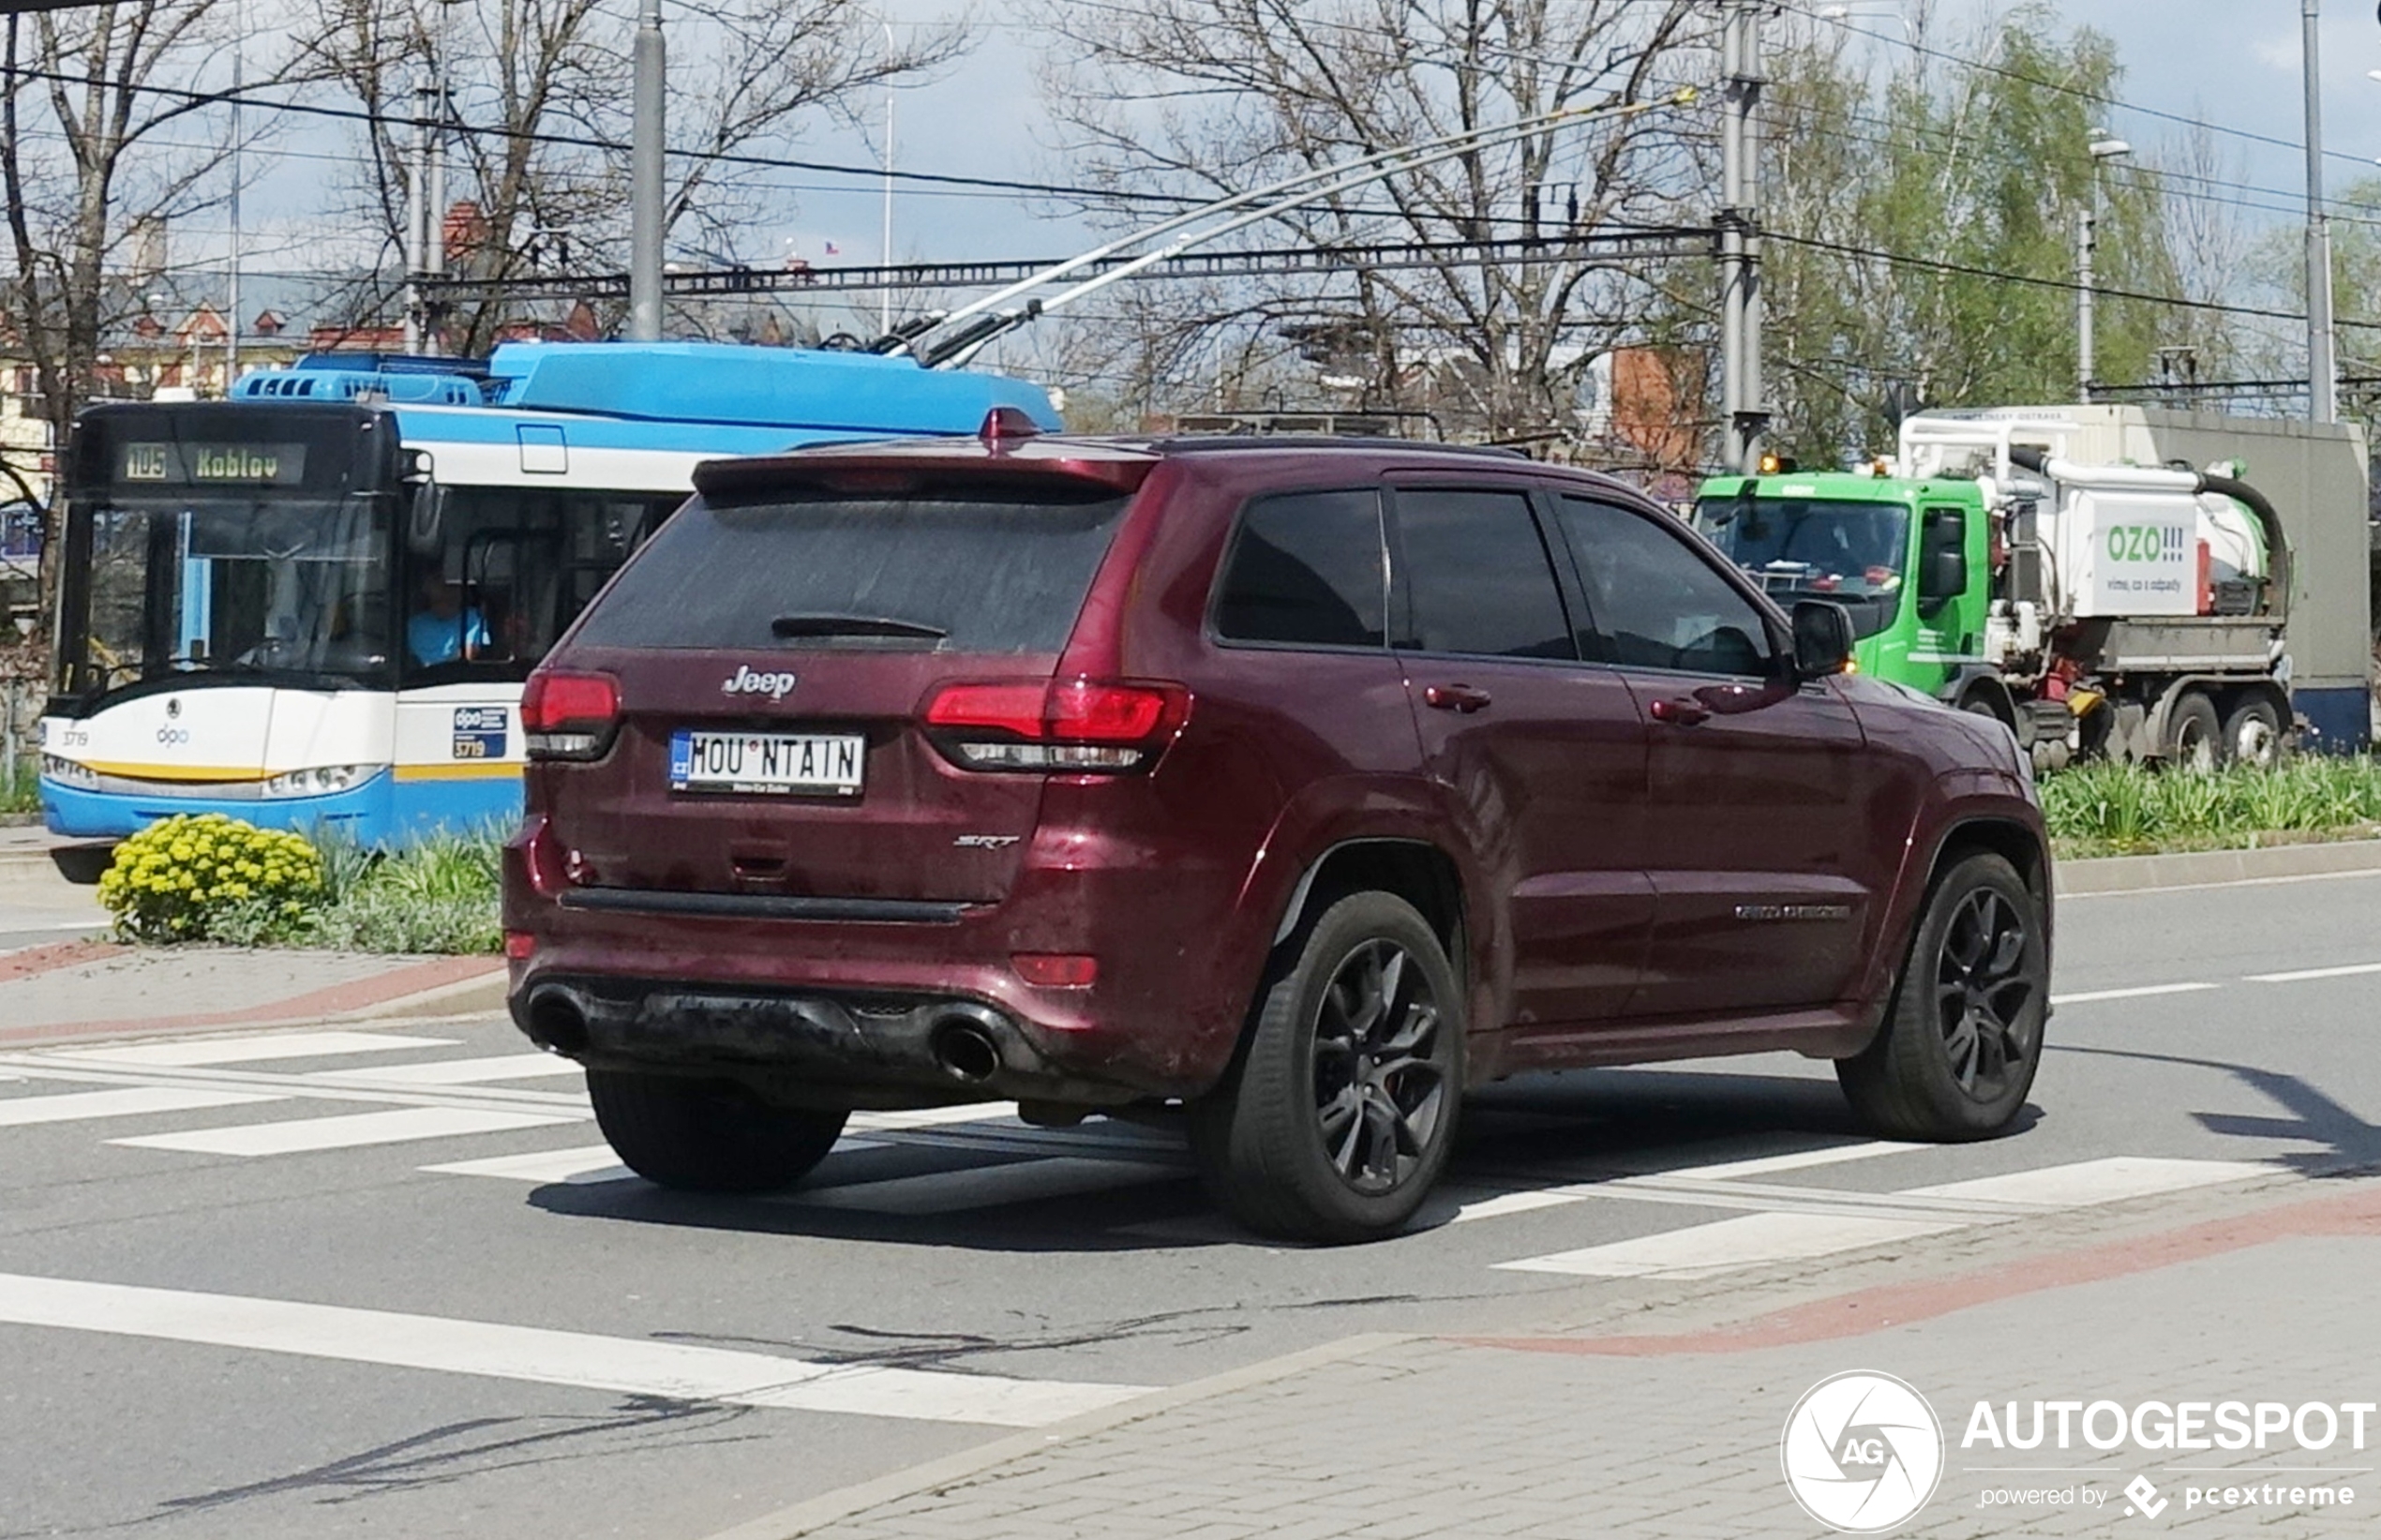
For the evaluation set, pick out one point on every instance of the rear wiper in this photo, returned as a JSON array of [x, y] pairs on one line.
[[854, 625]]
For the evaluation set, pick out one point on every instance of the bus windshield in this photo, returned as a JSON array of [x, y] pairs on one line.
[[223, 583], [1851, 552]]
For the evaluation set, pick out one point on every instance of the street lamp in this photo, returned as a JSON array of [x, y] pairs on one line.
[[2104, 147]]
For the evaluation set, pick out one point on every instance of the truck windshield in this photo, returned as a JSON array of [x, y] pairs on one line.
[[1816, 548], [222, 583]]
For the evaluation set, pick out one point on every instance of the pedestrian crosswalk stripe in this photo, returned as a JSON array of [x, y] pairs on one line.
[[929, 1117], [347, 1130], [1728, 1171], [457, 1071], [186, 1053], [1802, 1227], [1746, 1241], [985, 1187], [620, 1366], [587, 1164], [2106, 1181], [584, 1166], [127, 1101]]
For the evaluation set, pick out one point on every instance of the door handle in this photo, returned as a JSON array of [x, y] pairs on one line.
[[1455, 697], [1681, 714]]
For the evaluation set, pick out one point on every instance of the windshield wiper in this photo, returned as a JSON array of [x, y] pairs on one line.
[[854, 625]]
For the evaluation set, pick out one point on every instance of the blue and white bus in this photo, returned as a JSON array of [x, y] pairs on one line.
[[314, 604]]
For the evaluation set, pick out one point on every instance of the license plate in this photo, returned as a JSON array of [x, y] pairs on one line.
[[767, 764]]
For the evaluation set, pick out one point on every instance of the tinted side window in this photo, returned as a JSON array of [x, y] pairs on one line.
[[1306, 568], [1476, 577], [1652, 603]]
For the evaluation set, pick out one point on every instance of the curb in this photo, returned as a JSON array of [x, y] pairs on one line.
[[809, 1516], [2213, 868], [464, 997]]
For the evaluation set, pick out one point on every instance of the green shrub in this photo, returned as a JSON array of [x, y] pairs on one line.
[[2108, 809], [187, 878], [439, 895]]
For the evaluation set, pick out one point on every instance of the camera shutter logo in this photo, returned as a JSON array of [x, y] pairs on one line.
[[1861, 1452]]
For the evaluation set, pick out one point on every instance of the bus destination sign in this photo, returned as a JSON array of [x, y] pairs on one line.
[[214, 464]]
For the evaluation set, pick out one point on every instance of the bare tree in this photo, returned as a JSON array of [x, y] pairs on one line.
[[1210, 97], [540, 91], [88, 166]]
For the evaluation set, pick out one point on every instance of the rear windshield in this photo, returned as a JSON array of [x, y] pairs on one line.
[[990, 571]]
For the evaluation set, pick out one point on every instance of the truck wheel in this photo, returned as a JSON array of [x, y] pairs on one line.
[[2194, 737], [2253, 734], [1957, 1054], [707, 1135], [1341, 1109]]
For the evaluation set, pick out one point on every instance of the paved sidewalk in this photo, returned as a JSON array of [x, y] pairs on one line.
[[84, 989], [1664, 1431]]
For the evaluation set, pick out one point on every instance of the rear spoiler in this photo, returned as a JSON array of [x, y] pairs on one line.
[[899, 467]]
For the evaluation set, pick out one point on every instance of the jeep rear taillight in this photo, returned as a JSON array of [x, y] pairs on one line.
[[1067, 726], [569, 716]]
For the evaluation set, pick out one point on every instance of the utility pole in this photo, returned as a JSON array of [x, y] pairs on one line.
[[418, 194], [2323, 399], [2086, 243], [1741, 386], [645, 179], [231, 297], [885, 299]]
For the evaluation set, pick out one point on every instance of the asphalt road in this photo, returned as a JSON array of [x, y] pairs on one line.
[[224, 1312]]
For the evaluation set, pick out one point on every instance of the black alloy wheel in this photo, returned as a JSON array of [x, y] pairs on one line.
[[1962, 1037], [1378, 1091], [1981, 995], [1340, 1110]]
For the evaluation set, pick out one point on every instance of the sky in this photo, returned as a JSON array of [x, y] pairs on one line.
[[2233, 63]]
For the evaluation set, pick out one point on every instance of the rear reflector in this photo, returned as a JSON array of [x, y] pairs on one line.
[[1056, 970], [519, 945], [1100, 725], [569, 716]]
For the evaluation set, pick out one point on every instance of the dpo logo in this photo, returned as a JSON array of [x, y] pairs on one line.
[[747, 682], [1861, 1452]]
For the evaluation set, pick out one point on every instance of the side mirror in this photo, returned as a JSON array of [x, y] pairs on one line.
[[1822, 638], [1943, 557], [426, 520]]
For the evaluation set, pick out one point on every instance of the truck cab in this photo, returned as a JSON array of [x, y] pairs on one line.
[[1912, 561]]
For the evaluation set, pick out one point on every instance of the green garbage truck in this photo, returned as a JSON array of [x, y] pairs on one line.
[[2098, 595]]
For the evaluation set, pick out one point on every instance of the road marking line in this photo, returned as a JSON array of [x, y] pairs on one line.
[[1744, 1242], [985, 1187], [2086, 1182], [188, 1053], [456, 1071], [130, 1102], [2141, 992], [348, 1131], [2302, 974], [621, 1366]]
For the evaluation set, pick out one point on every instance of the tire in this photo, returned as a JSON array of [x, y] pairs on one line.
[[2253, 734], [1338, 1115], [1962, 1037], [2194, 738], [707, 1135]]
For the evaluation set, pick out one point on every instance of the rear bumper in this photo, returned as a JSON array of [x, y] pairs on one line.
[[816, 1048], [864, 1002]]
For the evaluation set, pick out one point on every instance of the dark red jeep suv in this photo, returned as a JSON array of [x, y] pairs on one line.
[[1297, 785]]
